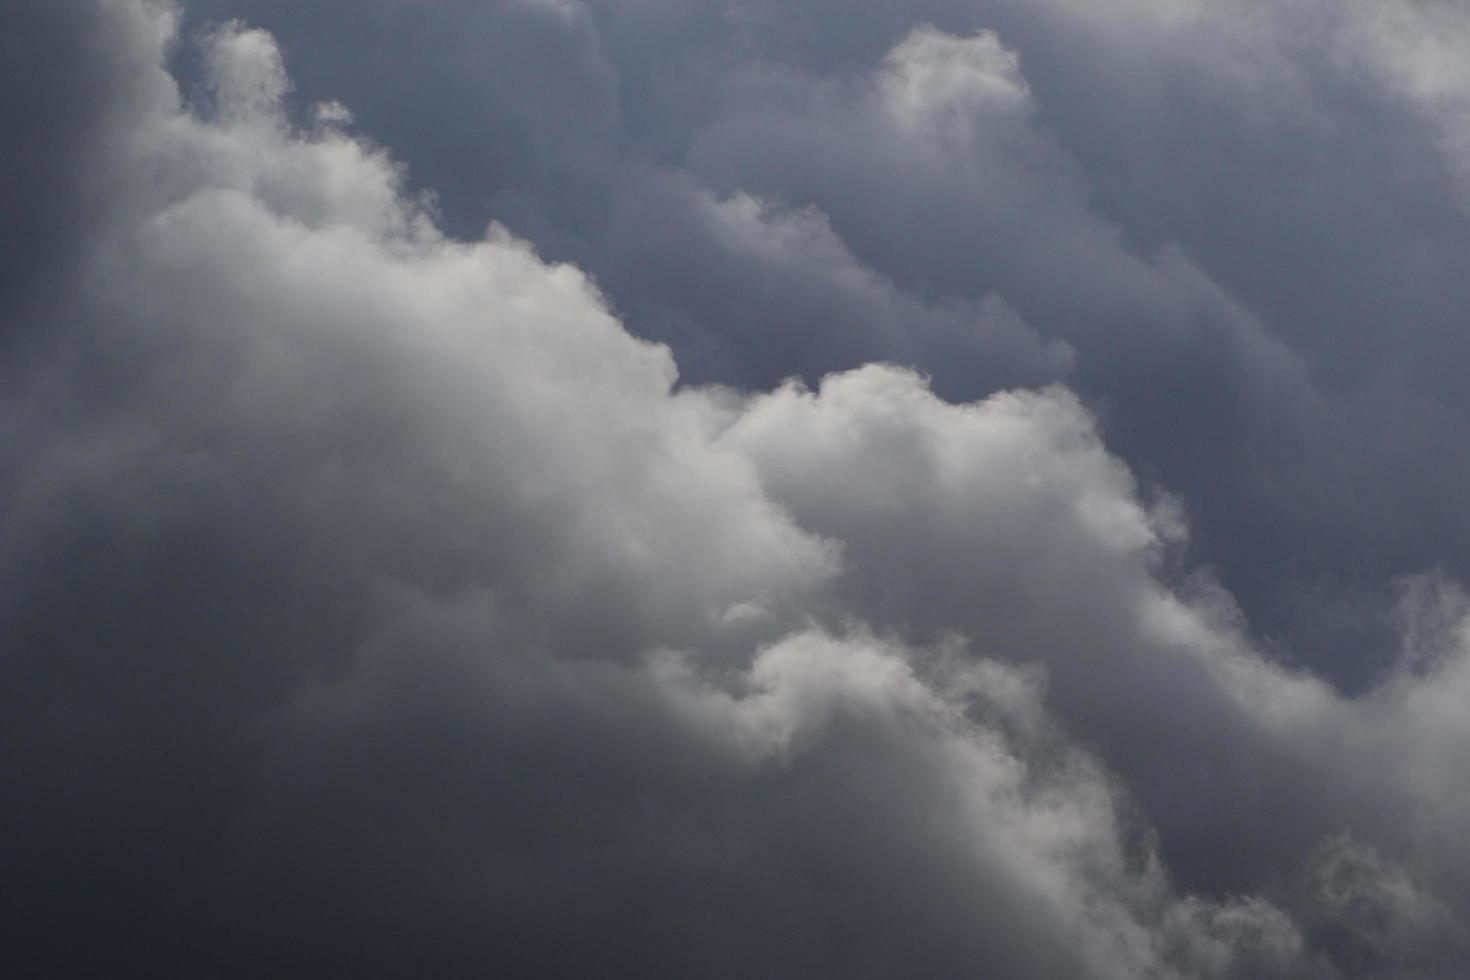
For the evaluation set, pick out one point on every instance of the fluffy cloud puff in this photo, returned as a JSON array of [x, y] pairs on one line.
[[374, 601]]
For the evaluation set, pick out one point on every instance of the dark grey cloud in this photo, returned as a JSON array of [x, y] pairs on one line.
[[58, 107], [69, 90], [378, 601]]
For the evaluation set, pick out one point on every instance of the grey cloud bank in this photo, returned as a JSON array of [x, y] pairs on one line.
[[379, 601]]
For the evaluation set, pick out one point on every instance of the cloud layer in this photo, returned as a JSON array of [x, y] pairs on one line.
[[379, 600]]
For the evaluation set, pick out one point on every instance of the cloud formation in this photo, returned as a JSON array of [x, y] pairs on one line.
[[1233, 230], [375, 601]]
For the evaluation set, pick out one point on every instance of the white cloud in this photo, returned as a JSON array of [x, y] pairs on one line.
[[931, 73]]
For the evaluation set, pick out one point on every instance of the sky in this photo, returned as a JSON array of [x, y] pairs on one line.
[[651, 488]]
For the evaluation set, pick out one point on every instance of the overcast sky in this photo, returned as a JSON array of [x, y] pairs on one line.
[[735, 488]]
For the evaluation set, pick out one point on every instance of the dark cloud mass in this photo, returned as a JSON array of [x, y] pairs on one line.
[[625, 488]]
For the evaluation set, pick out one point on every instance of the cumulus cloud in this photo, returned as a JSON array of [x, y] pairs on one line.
[[1235, 217], [375, 601]]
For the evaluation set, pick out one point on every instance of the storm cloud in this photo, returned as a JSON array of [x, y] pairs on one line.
[[558, 488]]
